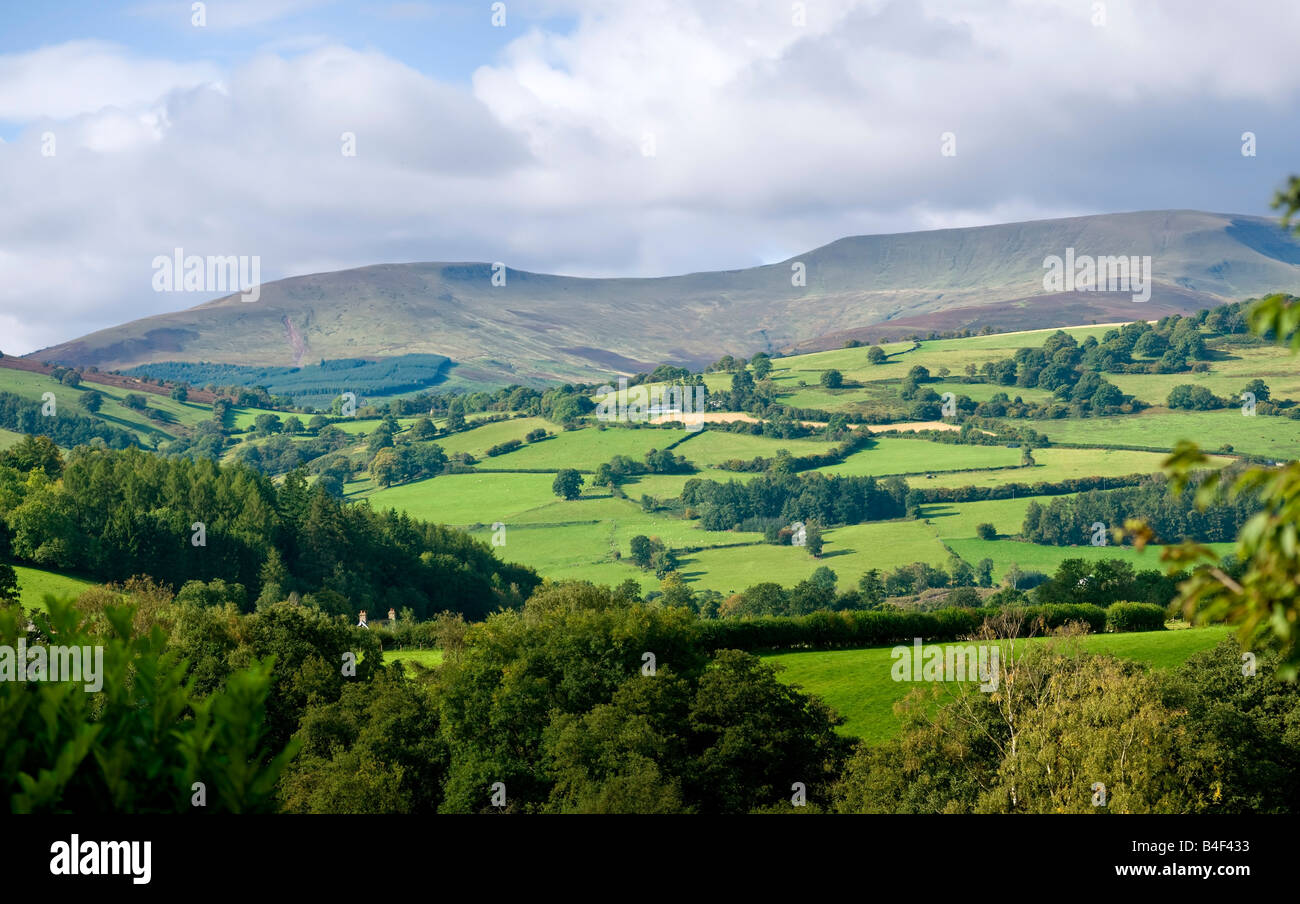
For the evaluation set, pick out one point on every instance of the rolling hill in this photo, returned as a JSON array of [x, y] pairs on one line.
[[539, 327]]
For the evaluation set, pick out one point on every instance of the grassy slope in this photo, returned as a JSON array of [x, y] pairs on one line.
[[426, 658], [858, 684], [34, 583], [1161, 428], [8, 438]]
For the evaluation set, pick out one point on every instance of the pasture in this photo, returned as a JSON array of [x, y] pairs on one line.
[[859, 686]]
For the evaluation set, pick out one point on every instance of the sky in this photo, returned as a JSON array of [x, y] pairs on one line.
[[599, 137]]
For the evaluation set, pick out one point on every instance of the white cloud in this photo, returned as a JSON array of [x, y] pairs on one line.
[[84, 77], [769, 139]]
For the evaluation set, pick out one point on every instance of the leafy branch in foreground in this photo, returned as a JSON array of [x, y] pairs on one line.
[[1265, 600]]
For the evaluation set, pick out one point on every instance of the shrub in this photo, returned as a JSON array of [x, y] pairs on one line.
[[1135, 617], [509, 445]]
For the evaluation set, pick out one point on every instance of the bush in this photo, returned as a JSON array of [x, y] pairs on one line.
[[509, 445], [1135, 617], [1057, 615]]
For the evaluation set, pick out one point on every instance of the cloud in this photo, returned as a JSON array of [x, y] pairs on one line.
[[78, 77], [636, 139]]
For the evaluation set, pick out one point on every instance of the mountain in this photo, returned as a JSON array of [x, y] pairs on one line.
[[541, 327]]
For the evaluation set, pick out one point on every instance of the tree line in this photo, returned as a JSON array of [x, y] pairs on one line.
[[116, 514], [1172, 516]]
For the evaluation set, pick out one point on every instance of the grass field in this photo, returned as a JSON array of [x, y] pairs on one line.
[[1056, 464], [34, 583], [849, 551], [31, 385], [589, 538], [1160, 428], [427, 658], [1231, 368], [461, 499], [1044, 558], [892, 455], [959, 520], [8, 438], [712, 447], [953, 354], [859, 686]]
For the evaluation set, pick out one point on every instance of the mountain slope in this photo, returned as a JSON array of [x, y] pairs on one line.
[[539, 326]]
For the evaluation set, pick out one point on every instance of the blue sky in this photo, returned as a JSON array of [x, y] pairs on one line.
[[444, 40], [601, 137]]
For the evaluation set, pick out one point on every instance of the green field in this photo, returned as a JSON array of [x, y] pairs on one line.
[[8, 438], [859, 686], [589, 538], [1056, 464], [1160, 428], [427, 658], [1044, 558], [711, 447], [849, 551], [34, 583], [461, 499], [953, 520], [893, 455], [67, 399]]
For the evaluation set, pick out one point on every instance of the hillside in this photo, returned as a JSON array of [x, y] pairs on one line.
[[538, 327]]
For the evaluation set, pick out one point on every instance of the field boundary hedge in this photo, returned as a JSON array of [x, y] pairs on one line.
[[852, 629]]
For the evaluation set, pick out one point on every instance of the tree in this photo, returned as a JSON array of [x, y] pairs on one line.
[[135, 401], [832, 379], [824, 577], [964, 597], [331, 483], [8, 584], [813, 540], [180, 393], [1150, 345], [872, 588], [382, 438], [386, 467], [273, 579], [1193, 397], [984, 572], [986, 531], [641, 551], [32, 453], [567, 484], [91, 400], [762, 365], [267, 424], [876, 355], [423, 429], [1259, 388], [663, 561]]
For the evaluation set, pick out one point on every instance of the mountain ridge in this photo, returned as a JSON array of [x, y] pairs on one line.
[[540, 327]]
